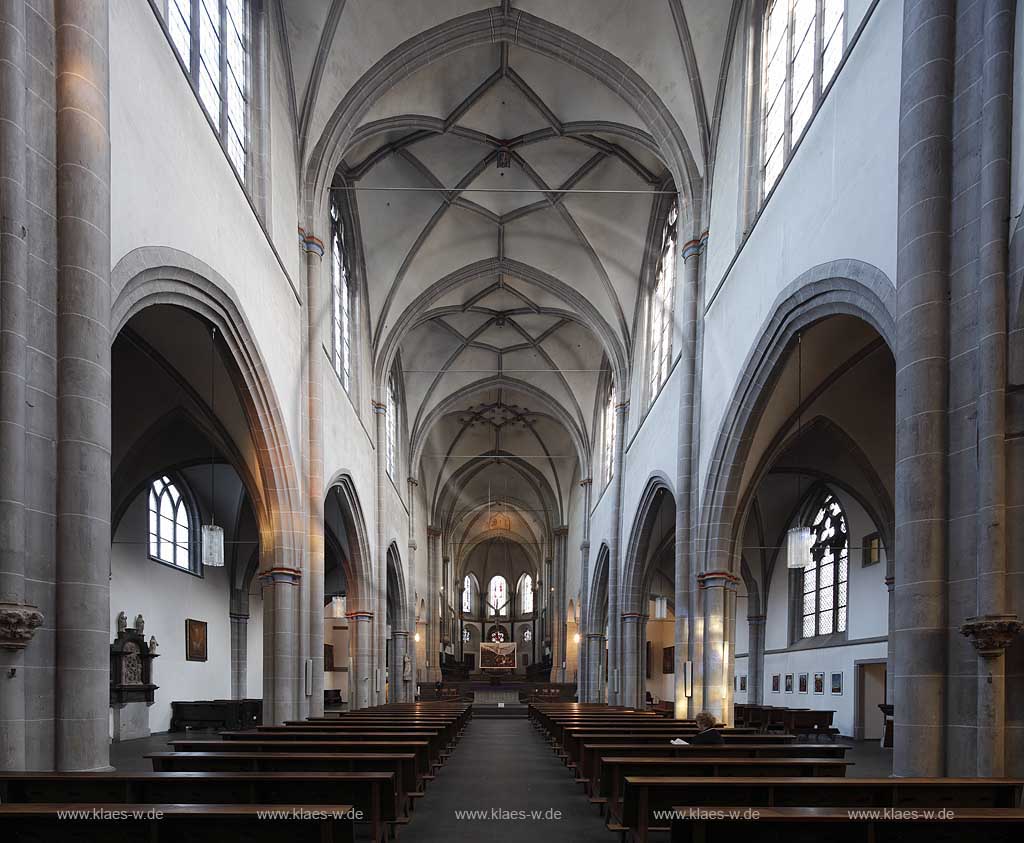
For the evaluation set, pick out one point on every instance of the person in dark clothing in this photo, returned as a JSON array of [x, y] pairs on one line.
[[708, 734]]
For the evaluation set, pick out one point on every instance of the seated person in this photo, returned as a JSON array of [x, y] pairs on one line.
[[707, 732]]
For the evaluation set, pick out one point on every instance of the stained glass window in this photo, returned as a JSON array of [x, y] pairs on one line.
[[391, 428], [802, 44], [528, 635], [497, 596], [662, 297], [467, 595], [170, 528], [825, 582], [341, 319], [526, 594], [608, 446], [212, 39]]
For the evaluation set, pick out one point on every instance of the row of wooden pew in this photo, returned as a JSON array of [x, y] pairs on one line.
[[325, 780], [795, 721], [641, 782]]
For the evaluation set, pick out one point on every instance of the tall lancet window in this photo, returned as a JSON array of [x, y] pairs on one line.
[[170, 525], [467, 595], [802, 44], [391, 428], [825, 581], [341, 296], [526, 594], [212, 39], [662, 300], [609, 424], [497, 596]]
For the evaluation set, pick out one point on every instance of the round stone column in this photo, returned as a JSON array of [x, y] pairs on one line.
[[361, 636], [82, 616], [596, 646]]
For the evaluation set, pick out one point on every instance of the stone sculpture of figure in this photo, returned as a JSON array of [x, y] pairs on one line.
[[140, 623], [122, 622], [152, 645], [406, 667]]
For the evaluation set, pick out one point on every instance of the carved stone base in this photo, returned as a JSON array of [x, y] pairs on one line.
[[130, 721], [18, 623], [991, 634]]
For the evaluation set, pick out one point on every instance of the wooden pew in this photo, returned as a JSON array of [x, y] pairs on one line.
[[402, 765], [615, 769], [708, 825], [447, 728], [575, 738], [170, 823], [595, 752], [435, 745], [372, 794]]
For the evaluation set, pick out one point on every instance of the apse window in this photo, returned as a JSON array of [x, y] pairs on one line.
[[467, 596], [497, 596], [802, 44], [341, 296], [825, 579], [661, 305], [212, 39], [170, 525], [526, 594]]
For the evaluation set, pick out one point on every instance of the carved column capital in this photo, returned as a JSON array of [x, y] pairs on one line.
[[991, 634], [18, 623]]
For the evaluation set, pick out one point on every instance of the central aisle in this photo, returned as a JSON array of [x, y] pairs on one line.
[[504, 766]]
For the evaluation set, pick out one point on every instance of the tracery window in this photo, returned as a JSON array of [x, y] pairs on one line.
[[526, 594], [802, 43], [170, 525], [467, 595], [824, 582], [212, 39], [527, 635], [391, 428], [341, 296], [662, 298], [497, 596], [609, 425], [466, 636]]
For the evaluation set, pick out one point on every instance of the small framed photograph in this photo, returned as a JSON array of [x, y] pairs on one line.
[[802, 683], [789, 683], [668, 660], [743, 683], [819, 683], [837, 683], [195, 640], [871, 550], [776, 683]]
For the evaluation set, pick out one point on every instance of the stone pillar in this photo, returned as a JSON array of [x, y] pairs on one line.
[[631, 645], [433, 643], [83, 385], [755, 659], [282, 670], [380, 591], [239, 655], [684, 593], [582, 680], [996, 120], [559, 618], [719, 590], [313, 582], [400, 647], [890, 654], [615, 664], [411, 588], [17, 620], [596, 644], [922, 385], [362, 634]]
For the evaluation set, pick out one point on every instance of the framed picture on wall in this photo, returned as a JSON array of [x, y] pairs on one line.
[[871, 550], [837, 683], [789, 683], [743, 683], [328, 658], [776, 683], [195, 640], [802, 683], [819, 683], [668, 660]]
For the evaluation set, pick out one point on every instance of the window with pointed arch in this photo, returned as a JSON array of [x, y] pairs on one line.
[[825, 581], [467, 595], [609, 424], [391, 428], [659, 326], [341, 302], [526, 594], [212, 40], [801, 46], [497, 596], [170, 526]]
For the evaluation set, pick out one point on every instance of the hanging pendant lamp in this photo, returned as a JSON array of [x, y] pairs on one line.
[[212, 535]]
